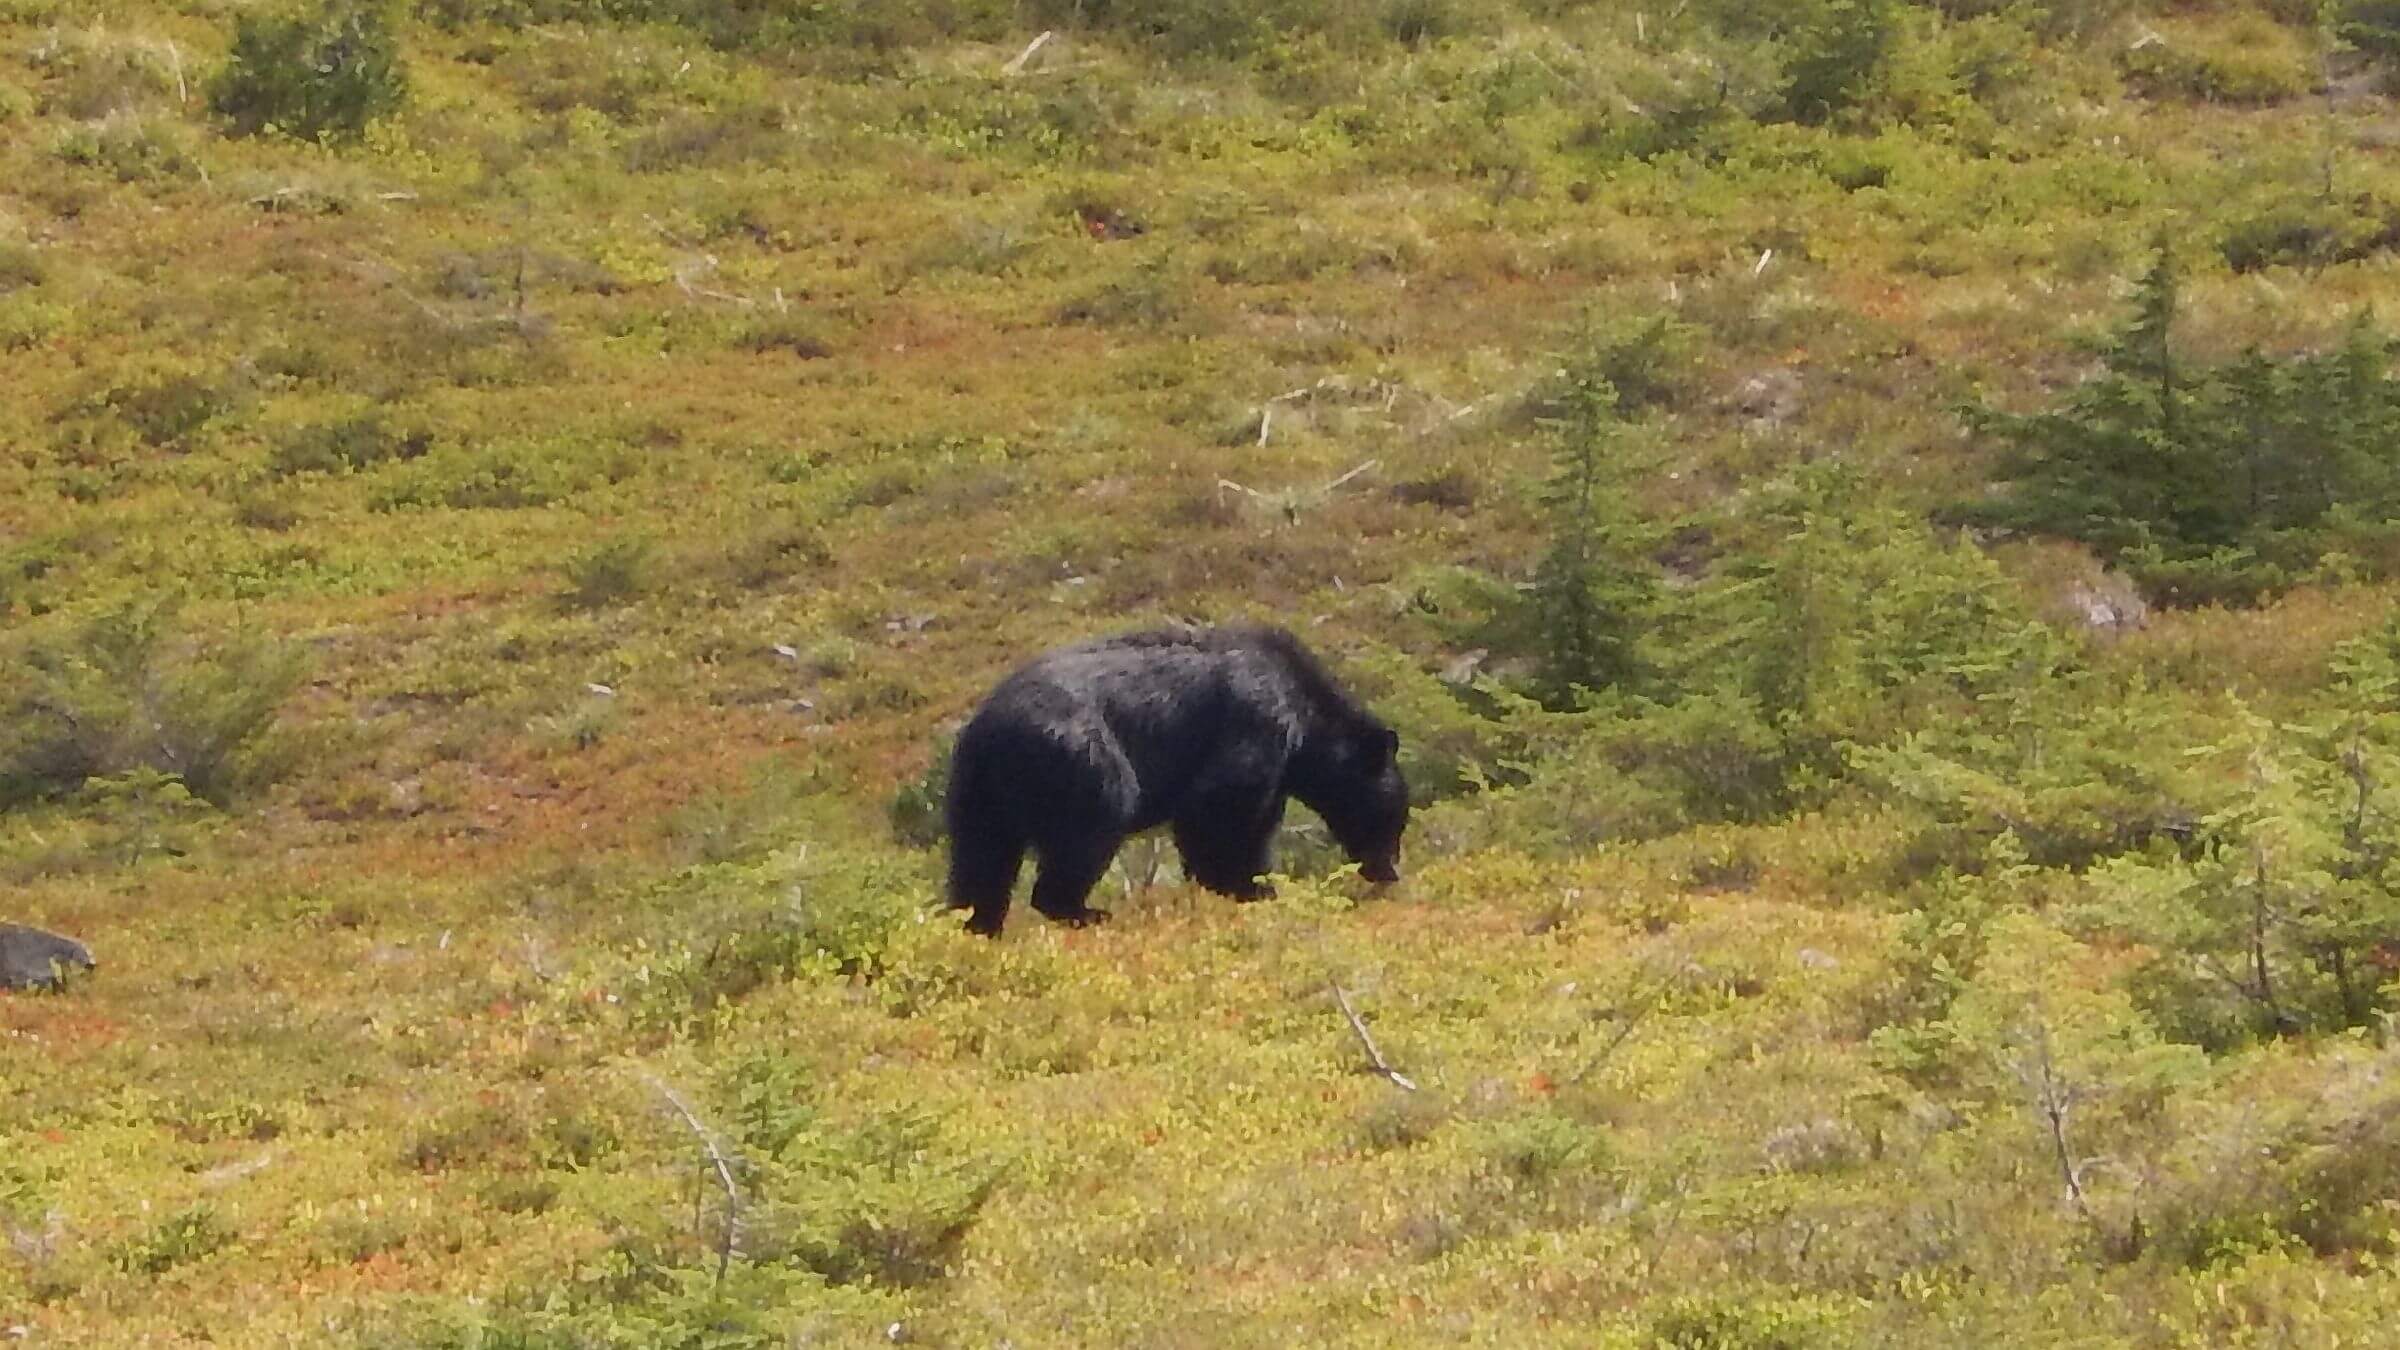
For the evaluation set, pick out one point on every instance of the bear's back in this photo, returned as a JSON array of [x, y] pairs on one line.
[[1178, 676]]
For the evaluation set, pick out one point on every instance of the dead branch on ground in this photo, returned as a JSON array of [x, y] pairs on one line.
[[717, 1162], [1375, 1059]]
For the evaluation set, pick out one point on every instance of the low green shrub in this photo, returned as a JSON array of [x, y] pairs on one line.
[[2073, 770], [1730, 1321], [2294, 230], [347, 444], [494, 477], [130, 690], [2256, 62], [321, 75], [917, 805], [795, 912], [610, 572], [879, 1201], [181, 1238]]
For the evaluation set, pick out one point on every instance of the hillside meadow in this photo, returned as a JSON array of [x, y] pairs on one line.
[[1874, 521]]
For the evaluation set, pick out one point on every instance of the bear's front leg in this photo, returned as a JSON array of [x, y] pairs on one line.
[[1065, 879], [1225, 842]]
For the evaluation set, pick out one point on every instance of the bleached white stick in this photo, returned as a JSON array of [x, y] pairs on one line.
[[1375, 1057], [1018, 65], [724, 1171]]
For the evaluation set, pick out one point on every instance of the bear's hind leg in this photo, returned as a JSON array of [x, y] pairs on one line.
[[1068, 871]]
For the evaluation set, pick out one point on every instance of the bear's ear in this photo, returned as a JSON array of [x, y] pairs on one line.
[[1382, 745]]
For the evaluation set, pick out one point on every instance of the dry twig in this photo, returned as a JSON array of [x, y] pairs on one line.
[[690, 270], [1290, 502], [183, 89], [720, 1164], [1017, 66], [1375, 1059], [2054, 1099], [1632, 1010]]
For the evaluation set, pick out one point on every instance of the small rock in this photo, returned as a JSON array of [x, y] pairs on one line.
[[33, 959], [407, 797], [1771, 396], [1812, 1146], [2110, 603], [1817, 960], [1466, 666]]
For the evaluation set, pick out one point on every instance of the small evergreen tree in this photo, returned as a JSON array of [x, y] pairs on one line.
[[1588, 600], [324, 75], [2285, 916], [1836, 47], [129, 691], [2208, 482], [2103, 466], [1860, 621], [2234, 924], [1826, 53]]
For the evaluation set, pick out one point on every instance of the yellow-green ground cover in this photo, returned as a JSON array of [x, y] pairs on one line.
[[618, 463]]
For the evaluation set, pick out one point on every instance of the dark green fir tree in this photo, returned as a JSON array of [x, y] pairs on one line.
[[1589, 594]]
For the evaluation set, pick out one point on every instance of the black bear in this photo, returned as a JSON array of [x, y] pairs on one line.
[[1206, 730], [33, 959]]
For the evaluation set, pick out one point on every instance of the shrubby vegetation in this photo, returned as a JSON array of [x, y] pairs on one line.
[[1885, 874], [2283, 915], [2211, 481], [327, 73], [128, 690]]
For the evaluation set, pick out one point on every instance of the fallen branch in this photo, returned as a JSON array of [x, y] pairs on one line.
[[2055, 1098], [1331, 384], [689, 270], [1470, 409], [1018, 65], [268, 200], [235, 1171], [1375, 1059], [1290, 502], [723, 1168], [1329, 487], [1625, 1030], [183, 90], [1641, 1001], [375, 272]]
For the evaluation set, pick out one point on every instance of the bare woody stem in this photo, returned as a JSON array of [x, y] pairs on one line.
[[720, 1164], [1375, 1059]]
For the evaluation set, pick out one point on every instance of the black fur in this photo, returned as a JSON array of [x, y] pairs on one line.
[[33, 959], [1206, 730]]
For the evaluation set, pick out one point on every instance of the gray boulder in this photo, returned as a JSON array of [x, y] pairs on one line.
[[33, 959]]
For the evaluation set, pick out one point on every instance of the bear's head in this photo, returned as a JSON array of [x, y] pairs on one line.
[[1365, 802]]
